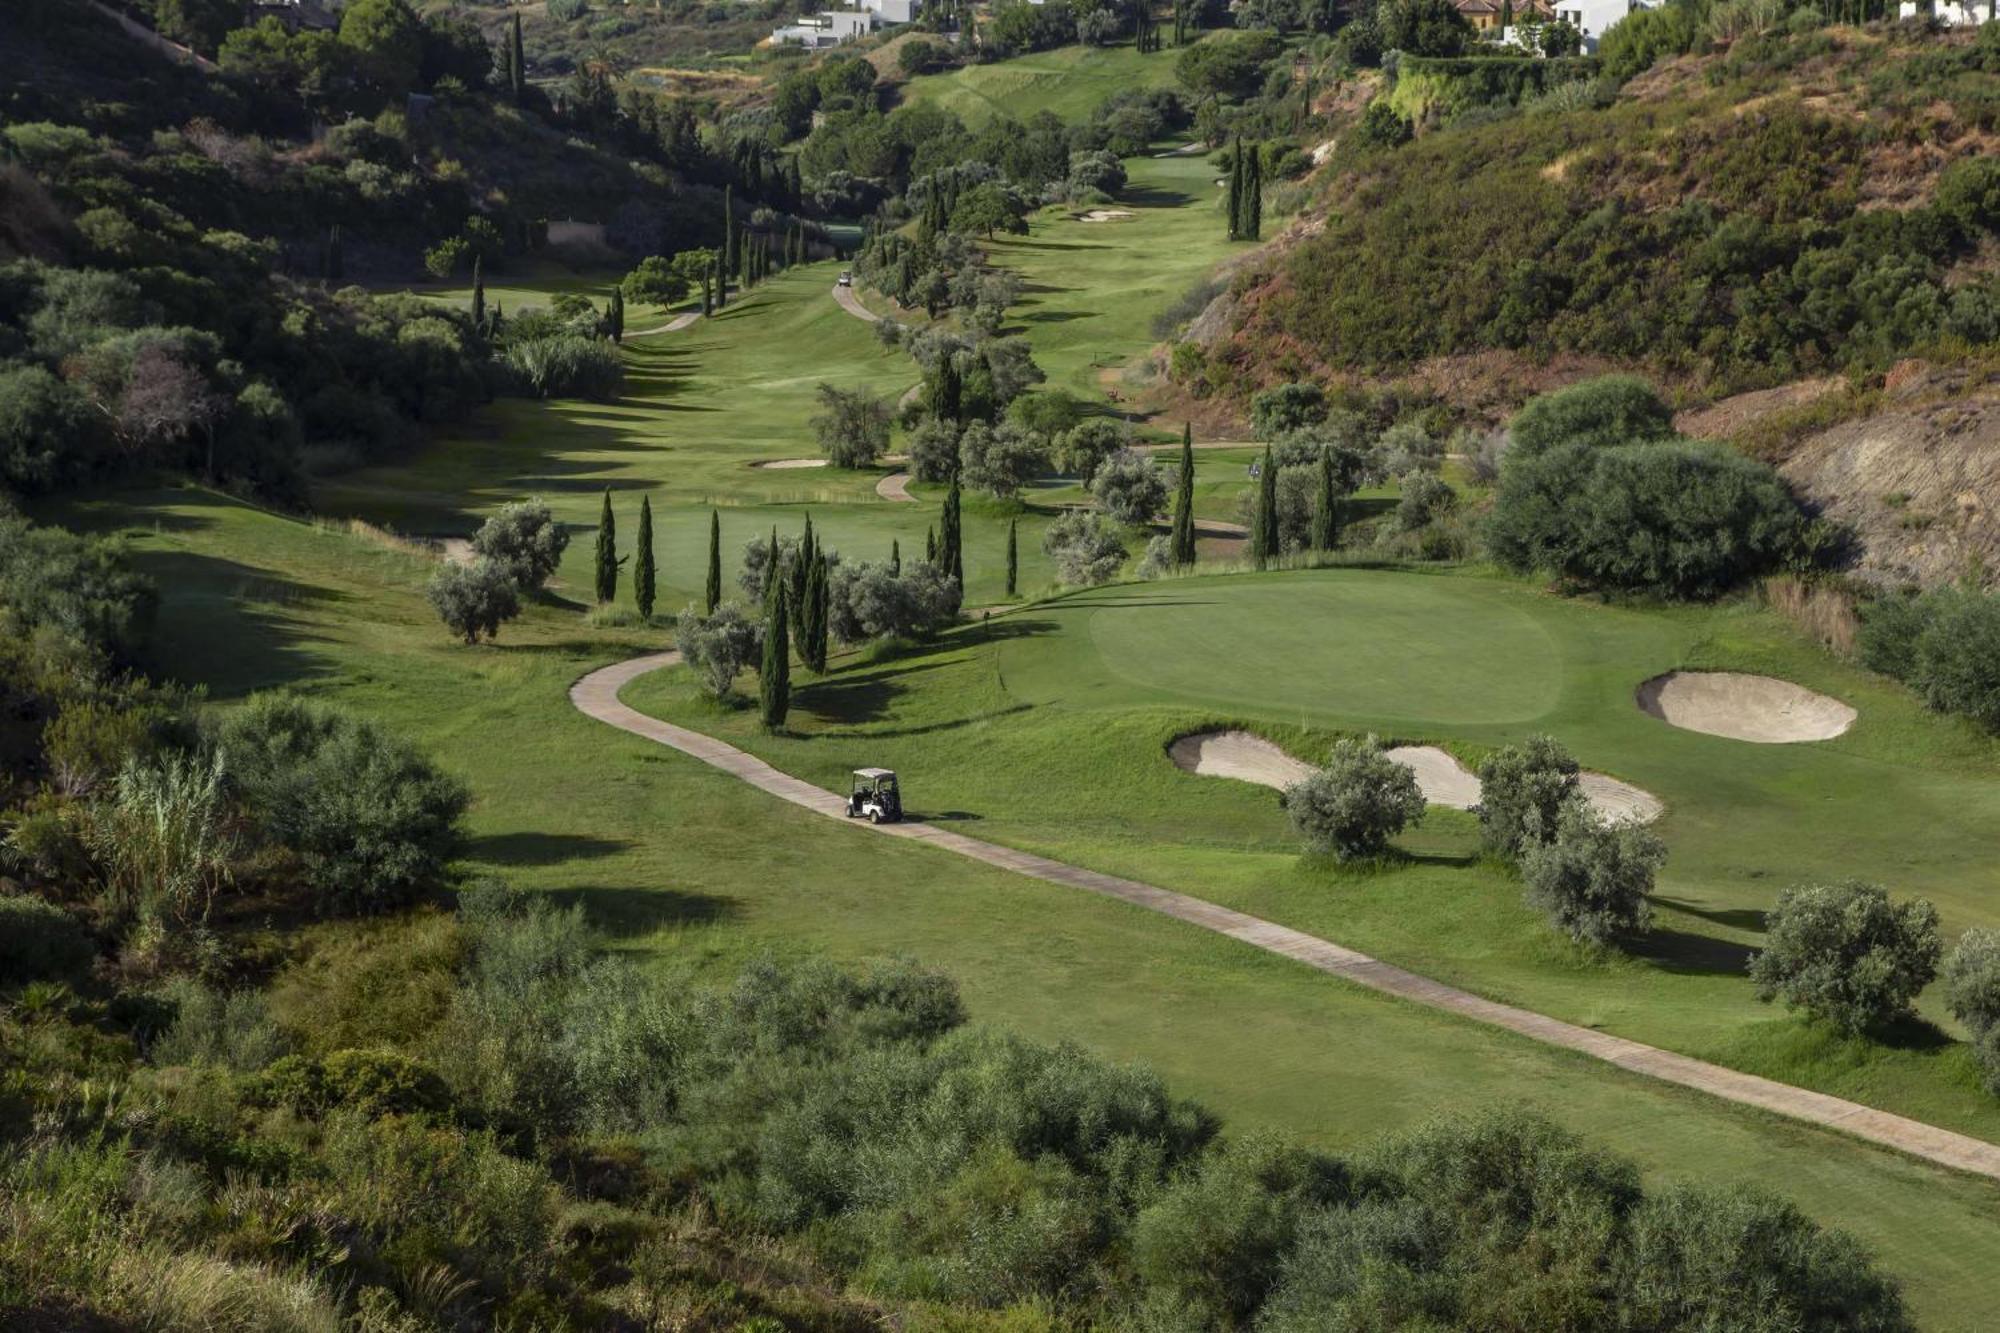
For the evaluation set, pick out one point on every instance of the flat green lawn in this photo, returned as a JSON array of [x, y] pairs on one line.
[[1048, 730], [1070, 81], [682, 862]]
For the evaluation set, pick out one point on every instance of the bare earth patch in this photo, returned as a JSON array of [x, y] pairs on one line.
[[1743, 707], [1105, 215], [777, 464], [1441, 778]]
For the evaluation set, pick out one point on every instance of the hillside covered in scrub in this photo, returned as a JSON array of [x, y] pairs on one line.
[[1800, 203]]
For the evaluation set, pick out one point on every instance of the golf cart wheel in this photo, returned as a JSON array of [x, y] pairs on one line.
[[874, 816]]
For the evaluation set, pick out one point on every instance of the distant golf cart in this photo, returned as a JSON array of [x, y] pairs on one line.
[[846, 278], [875, 796]]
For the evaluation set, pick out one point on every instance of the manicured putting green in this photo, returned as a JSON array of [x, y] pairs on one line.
[[1434, 651]]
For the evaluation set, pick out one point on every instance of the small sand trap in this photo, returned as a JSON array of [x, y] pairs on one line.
[[1441, 778], [1105, 215], [1742, 707], [458, 550], [780, 463], [1239, 755]]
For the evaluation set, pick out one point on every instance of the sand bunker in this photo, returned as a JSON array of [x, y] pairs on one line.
[[791, 463], [458, 550], [1105, 215], [1741, 707], [1441, 778]]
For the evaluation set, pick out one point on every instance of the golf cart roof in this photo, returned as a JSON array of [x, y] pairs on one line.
[[873, 773]]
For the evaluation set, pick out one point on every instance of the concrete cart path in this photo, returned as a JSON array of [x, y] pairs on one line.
[[597, 695]]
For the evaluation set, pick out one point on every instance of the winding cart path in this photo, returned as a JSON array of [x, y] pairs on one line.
[[596, 695]]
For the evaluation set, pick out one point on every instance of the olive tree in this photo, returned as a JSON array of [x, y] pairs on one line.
[[1357, 803], [474, 600], [1972, 990], [1590, 878], [1522, 791], [872, 601], [1000, 459], [1086, 549], [1847, 955], [852, 426], [718, 645], [1130, 487], [525, 540]]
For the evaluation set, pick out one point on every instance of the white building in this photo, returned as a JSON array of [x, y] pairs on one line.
[[1949, 13], [1589, 17], [843, 25]]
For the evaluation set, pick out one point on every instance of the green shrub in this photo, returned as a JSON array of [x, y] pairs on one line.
[[1608, 410], [568, 365], [1426, 498], [1356, 804], [1086, 549], [1945, 644], [373, 1083], [1522, 791], [374, 824], [40, 942], [49, 577], [232, 1029], [1590, 878], [1681, 519], [1845, 954], [1286, 408], [719, 646]]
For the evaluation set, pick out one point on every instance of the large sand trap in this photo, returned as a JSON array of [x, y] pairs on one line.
[[1441, 778], [781, 463], [1105, 215], [1743, 707]]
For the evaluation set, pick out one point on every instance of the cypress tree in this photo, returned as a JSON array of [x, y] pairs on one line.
[[774, 681], [617, 314], [708, 290], [1506, 16], [713, 595], [800, 574], [1264, 544], [478, 296], [336, 261], [1013, 553], [721, 282], [946, 396], [1326, 511], [1253, 197], [896, 557], [1234, 201], [728, 254], [607, 552], [816, 611], [1183, 538], [645, 575], [517, 62], [930, 546], [951, 549]]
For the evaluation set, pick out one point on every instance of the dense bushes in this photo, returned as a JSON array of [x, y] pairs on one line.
[[568, 365], [1945, 644], [1588, 877], [1579, 499], [1086, 549], [372, 822], [1845, 954], [39, 941], [74, 584], [871, 601], [1972, 992]]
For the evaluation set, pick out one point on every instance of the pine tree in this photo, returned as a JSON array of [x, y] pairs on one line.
[[1264, 545], [774, 681], [478, 296], [1183, 538], [1326, 510], [896, 557], [1013, 553], [607, 553], [517, 62], [645, 575], [713, 595]]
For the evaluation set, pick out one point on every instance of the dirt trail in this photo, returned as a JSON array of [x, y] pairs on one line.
[[851, 303], [596, 695]]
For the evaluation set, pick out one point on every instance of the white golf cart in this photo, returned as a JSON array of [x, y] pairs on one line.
[[875, 796], [846, 278]]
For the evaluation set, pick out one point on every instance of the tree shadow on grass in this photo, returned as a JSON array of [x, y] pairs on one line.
[[1736, 918], [626, 912], [225, 624], [1688, 953], [929, 728], [850, 702], [1154, 196], [542, 849]]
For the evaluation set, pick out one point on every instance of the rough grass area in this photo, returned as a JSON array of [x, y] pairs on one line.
[[1070, 81]]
